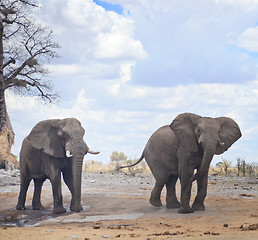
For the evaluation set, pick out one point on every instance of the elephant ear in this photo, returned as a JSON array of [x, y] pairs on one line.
[[229, 133], [184, 126], [44, 136]]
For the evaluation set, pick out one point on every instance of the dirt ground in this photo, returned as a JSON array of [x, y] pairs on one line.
[[116, 207]]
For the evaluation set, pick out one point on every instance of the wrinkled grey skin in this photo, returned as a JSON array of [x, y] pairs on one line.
[[52, 147], [176, 150]]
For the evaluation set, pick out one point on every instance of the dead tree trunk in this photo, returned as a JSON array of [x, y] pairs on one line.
[[7, 160]]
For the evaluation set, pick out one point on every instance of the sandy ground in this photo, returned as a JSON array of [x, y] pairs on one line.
[[116, 207]]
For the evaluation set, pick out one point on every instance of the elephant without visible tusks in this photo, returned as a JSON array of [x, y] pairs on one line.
[[176, 150], [52, 147]]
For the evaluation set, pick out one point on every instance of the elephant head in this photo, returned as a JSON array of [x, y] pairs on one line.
[[63, 139], [208, 135]]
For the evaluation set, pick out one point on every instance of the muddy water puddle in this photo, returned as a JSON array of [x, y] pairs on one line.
[[31, 218]]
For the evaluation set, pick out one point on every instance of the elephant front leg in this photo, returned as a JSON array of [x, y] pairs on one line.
[[57, 194], [202, 183], [155, 195], [186, 187], [36, 203], [171, 198], [25, 182], [68, 179], [22, 196]]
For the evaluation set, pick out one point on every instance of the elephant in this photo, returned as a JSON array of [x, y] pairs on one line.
[[53, 146], [176, 150]]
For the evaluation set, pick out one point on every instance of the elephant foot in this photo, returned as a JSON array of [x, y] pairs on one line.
[[198, 206], [37, 206], [72, 208], [59, 210], [155, 203], [20, 207], [184, 210], [173, 204]]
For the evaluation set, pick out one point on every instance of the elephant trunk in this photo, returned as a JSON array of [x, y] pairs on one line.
[[77, 161], [209, 151]]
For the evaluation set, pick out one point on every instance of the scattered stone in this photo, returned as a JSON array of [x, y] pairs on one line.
[[207, 233], [96, 227], [166, 233], [251, 227], [105, 236], [74, 237], [246, 195], [51, 230], [225, 225]]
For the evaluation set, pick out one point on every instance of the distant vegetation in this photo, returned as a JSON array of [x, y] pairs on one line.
[[241, 169], [223, 168]]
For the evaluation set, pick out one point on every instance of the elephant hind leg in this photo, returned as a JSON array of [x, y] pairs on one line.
[[171, 198], [155, 195], [36, 203]]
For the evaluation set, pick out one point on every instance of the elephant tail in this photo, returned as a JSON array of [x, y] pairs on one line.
[[194, 177], [140, 159]]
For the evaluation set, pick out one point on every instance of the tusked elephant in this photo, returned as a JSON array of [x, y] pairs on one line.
[[53, 146], [176, 150]]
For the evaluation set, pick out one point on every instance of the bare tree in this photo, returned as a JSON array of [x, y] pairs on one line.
[[118, 158], [24, 48], [226, 165]]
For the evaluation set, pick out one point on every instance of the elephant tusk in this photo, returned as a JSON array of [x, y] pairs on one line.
[[68, 154], [222, 143], [92, 152]]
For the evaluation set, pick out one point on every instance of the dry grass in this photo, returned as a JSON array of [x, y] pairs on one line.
[[93, 166], [231, 172], [142, 168]]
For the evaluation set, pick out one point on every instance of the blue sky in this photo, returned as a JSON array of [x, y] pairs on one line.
[[110, 6], [125, 75]]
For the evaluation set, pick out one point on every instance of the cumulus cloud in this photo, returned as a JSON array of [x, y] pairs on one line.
[[248, 40], [192, 42], [123, 76], [128, 128]]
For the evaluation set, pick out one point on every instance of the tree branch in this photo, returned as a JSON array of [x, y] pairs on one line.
[[12, 60]]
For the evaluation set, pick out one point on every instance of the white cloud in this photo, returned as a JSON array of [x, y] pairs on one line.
[[126, 128], [125, 76], [118, 45], [249, 39]]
